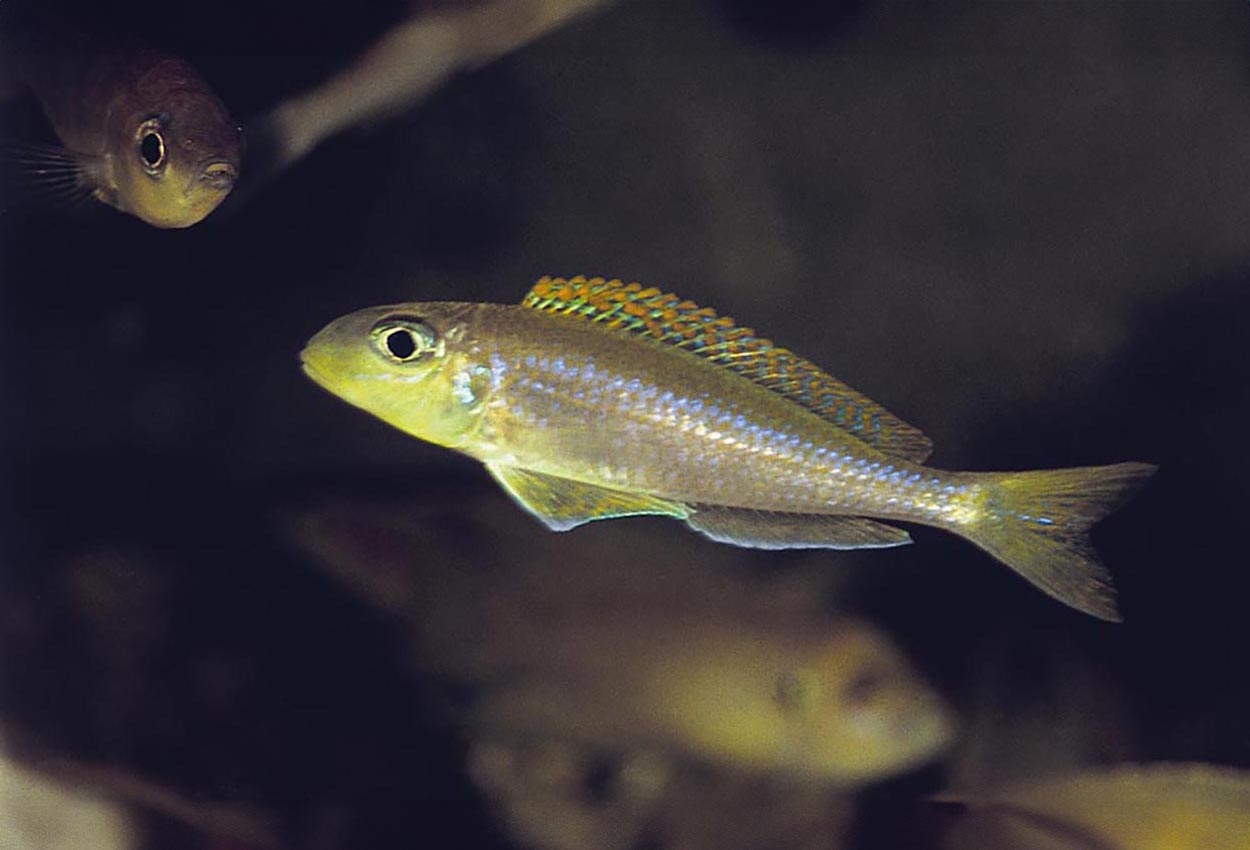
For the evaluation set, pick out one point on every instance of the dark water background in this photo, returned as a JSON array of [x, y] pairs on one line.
[[1023, 226]]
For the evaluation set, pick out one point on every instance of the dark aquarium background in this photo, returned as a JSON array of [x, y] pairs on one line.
[[1024, 227]]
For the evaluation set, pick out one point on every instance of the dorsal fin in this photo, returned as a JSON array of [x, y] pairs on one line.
[[670, 319]]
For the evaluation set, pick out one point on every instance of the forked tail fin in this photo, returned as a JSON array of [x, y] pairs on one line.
[[1038, 524]]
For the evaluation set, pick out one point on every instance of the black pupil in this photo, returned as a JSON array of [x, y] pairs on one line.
[[151, 148], [865, 686], [402, 344], [789, 691]]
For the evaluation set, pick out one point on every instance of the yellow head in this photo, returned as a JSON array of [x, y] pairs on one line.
[[408, 364], [841, 706], [173, 150], [856, 710]]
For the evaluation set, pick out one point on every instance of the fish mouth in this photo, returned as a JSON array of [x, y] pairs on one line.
[[316, 357], [307, 364], [218, 174]]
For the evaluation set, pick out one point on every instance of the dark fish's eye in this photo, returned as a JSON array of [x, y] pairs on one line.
[[791, 690], [865, 686], [153, 149], [151, 141], [404, 339]]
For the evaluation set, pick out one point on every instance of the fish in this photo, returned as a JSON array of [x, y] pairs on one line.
[[140, 129], [551, 794], [833, 703], [1165, 806], [649, 651], [404, 65], [596, 398]]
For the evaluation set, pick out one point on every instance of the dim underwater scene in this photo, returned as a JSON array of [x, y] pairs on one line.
[[381, 468]]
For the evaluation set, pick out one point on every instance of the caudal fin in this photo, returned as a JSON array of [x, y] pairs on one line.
[[1038, 524]]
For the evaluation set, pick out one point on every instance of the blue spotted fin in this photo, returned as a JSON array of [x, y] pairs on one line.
[[699, 330], [770, 530], [562, 504], [1038, 524]]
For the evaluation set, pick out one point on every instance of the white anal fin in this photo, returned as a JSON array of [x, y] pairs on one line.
[[769, 530], [563, 504]]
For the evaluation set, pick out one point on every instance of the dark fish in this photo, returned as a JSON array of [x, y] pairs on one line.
[[140, 129]]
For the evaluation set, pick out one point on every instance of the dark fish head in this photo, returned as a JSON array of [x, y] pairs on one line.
[[176, 151], [407, 364]]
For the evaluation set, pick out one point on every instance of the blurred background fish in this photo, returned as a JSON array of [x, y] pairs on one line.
[[1127, 807], [410, 60], [140, 129], [824, 701], [555, 795], [615, 688], [654, 654]]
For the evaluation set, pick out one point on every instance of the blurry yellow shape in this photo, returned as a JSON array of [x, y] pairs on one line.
[[838, 705], [1155, 807], [40, 813]]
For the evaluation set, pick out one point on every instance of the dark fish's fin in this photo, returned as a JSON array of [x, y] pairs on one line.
[[563, 504], [665, 317], [769, 530], [49, 174], [1037, 523], [1006, 827]]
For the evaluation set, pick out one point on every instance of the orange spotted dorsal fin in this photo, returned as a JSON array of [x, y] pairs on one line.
[[666, 317]]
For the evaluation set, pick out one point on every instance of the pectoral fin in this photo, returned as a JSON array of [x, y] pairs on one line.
[[769, 530], [563, 504], [52, 174]]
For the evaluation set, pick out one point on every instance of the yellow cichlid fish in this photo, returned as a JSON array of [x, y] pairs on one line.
[[829, 702], [596, 399], [1150, 807], [650, 651], [141, 129]]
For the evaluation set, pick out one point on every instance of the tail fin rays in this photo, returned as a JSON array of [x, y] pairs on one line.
[[1038, 524]]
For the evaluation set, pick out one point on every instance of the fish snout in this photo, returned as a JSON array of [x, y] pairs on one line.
[[218, 174], [315, 359], [331, 348]]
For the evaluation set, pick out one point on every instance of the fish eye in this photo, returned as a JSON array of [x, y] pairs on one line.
[[865, 686], [794, 690], [404, 339], [151, 142]]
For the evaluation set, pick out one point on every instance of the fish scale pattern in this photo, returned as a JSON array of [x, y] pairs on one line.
[[651, 312]]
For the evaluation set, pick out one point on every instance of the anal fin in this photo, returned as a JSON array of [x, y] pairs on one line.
[[563, 504], [771, 530]]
